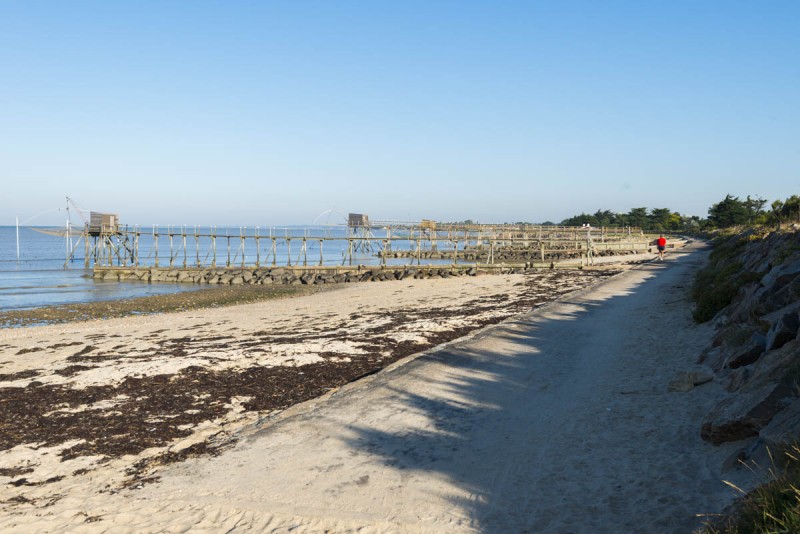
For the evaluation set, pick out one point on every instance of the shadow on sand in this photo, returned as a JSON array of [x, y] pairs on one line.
[[487, 421]]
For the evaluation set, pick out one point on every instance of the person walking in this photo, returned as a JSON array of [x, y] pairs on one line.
[[661, 242]]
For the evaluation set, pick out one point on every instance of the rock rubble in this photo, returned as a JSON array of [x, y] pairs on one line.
[[291, 276], [755, 353]]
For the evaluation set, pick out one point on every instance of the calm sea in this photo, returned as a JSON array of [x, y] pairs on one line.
[[39, 277]]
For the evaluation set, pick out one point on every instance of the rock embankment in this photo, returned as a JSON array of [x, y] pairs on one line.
[[288, 275], [751, 289]]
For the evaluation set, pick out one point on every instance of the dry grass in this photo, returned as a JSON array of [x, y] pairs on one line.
[[773, 507]]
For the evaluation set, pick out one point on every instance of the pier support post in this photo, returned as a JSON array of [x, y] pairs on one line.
[[155, 244], [213, 248]]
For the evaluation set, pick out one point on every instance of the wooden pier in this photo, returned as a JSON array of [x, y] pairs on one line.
[[107, 245], [122, 246]]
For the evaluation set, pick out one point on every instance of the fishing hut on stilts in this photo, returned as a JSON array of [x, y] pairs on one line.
[[104, 243]]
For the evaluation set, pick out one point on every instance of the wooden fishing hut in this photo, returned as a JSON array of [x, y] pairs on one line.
[[103, 240]]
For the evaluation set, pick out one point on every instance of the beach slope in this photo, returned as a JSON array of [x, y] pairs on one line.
[[557, 421]]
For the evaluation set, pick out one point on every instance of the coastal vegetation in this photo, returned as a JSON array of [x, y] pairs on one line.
[[649, 220], [772, 507], [718, 282], [729, 212], [732, 225]]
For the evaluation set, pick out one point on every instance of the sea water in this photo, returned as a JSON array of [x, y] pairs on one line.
[[40, 278], [41, 275]]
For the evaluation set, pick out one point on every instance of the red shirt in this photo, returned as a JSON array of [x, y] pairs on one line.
[[662, 242]]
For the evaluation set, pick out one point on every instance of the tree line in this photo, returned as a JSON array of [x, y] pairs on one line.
[[730, 211]]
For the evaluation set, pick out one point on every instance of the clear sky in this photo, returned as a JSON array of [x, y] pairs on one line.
[[261, 112]]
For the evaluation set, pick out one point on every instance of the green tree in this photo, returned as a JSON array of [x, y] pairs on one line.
[[791, 208], [676, 222], [578, 220], [777, 209], [730, 211], [604, 218], [659, 219], [754, 206], [637, 217]]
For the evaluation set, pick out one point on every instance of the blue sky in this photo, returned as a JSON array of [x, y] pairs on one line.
[[267, 113]]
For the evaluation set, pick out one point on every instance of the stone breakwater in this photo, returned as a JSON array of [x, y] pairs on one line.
[[296, 275]]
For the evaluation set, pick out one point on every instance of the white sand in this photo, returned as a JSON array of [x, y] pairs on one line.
[[556, 422]]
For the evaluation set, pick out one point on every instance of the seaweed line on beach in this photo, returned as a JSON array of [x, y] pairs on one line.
[[143, 412]]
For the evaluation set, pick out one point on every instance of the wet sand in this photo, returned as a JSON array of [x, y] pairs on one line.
[[198, 298]]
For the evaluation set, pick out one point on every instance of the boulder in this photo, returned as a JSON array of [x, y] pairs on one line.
[[783, 331], [774, 298], [237, 280], [687, 380], [749, 352], [738, 378], [745, 414], [784, 428], [743, 303], [713, 357], [733, 335], [774, 365], [783, 273]]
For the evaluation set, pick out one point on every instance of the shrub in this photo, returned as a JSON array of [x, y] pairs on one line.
[[771, 507], [716, 284]]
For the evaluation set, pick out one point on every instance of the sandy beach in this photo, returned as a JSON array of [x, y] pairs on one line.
[[508, 403]]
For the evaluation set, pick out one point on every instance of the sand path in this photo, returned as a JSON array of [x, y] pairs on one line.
[[556, 422]]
